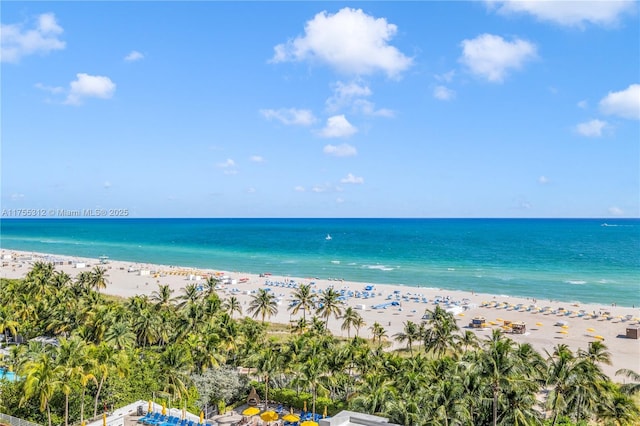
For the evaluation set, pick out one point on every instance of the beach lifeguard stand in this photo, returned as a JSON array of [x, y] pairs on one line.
[[518, 327], [478, 322]]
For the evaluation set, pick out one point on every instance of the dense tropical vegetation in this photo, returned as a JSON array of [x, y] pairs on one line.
[[186, 349]]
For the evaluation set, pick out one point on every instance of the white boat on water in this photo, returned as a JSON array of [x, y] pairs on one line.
[[328, 237]]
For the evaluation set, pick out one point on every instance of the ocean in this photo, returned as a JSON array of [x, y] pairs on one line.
[[572, 260]]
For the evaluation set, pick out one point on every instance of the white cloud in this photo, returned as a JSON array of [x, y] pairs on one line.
[[350, 41], [625, 103], [350, 178], [591, 129], [543, 180], [133, 56], [51, 89], [338, 127], [616, 211], [446, 77], [251, 190], [228, 167], [344, 150], [299, 188], [345, 93], [106, 185], [17, 42], [256, 159], [568, 13], [290, 116], [491, 57], [443, 93], [90, 86], [351, 95], [339, 200], [583, 104]]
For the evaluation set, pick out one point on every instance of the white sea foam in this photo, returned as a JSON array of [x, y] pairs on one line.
[[379, 267], [576, 282], [335, 262]]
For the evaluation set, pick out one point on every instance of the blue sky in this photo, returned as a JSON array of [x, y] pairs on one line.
[[322, 109]]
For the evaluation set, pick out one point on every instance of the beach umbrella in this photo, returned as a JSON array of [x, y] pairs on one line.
[[591, 330], [324, 413], [164, 408], [104, 419], [201, 417], [539, 324], [309, 423], [304, 408], [599, 337], [291, 418], [251, 411], [565, 327], [269, 416], [150, 406], [563, 332]]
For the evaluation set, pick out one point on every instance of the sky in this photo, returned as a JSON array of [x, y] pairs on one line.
[[321, 109]]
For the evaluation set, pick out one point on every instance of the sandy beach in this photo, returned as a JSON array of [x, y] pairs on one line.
[[548, 322]]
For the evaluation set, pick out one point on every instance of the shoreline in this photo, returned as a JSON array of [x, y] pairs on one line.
[[126, 279]]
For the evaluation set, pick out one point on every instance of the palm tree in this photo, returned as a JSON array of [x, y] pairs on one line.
[[440, 337], [499, 366], [191, 295], [162, 297], [410, 334], [302, 299], [330, 304], [633, 387], [71, 357], [99, 278], [350, 318], [377, 332], [107, 360], [7, 323], [264, 304], [42, 379], [267, 364], [232, 305]]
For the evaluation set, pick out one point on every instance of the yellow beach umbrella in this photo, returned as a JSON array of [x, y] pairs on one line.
[[84, 423], [539, 324], [499, 319], [104, 419], [309, 423], [251, 411], [565, 327], [201, 417], [563, 332], [164, 408], [269, 416], [324, 413], [304, 408], [591, 330], [291, 418], [460, 314], [599, 337]]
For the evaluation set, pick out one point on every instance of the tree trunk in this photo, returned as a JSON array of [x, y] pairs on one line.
[[49, 413], [84, 389], [266, 393], [95, 405], [495, 406], [66, 409]]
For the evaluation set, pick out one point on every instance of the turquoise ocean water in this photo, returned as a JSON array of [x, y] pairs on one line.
[[585, 260]]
